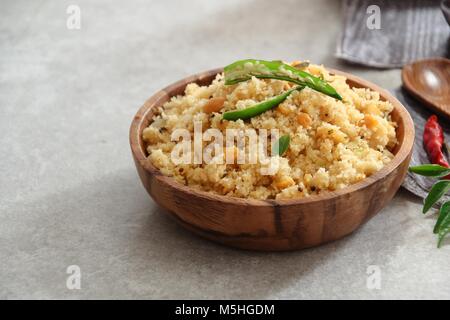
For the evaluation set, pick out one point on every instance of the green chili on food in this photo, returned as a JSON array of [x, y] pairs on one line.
[[258, 108], [243, 70]]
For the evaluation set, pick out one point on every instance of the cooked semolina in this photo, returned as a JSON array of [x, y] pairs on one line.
[[333, 143]]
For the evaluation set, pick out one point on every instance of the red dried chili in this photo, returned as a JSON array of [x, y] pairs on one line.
[[433, 139]]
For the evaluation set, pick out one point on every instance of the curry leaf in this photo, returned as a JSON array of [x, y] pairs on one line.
[[437, 191], [444, 212], [281, 145], [430, 170], [444, 226]]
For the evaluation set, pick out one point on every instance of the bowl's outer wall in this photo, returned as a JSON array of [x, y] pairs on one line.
[[270, 225]]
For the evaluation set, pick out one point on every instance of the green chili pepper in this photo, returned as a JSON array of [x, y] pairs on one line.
[[243, 70], [258, 108]]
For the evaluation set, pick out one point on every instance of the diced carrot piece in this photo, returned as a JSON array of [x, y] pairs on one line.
[[283, 109], [370, 121], [284, 182], [214, 105], [304, 119]]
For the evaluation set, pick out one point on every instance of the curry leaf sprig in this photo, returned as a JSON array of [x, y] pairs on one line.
[[441, 187], [244, 70]]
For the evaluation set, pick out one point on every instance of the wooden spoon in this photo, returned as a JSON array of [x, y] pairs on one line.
[[429, 81]]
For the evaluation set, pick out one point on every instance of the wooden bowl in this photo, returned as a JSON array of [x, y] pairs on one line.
[[272, 225]]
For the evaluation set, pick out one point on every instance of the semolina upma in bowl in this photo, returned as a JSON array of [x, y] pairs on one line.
[[337, 150], [333, 143]]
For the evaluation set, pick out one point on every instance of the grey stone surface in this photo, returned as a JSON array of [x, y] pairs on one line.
[[69, 193]]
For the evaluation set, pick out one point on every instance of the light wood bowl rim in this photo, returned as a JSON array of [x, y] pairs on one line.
[[140, 154]]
